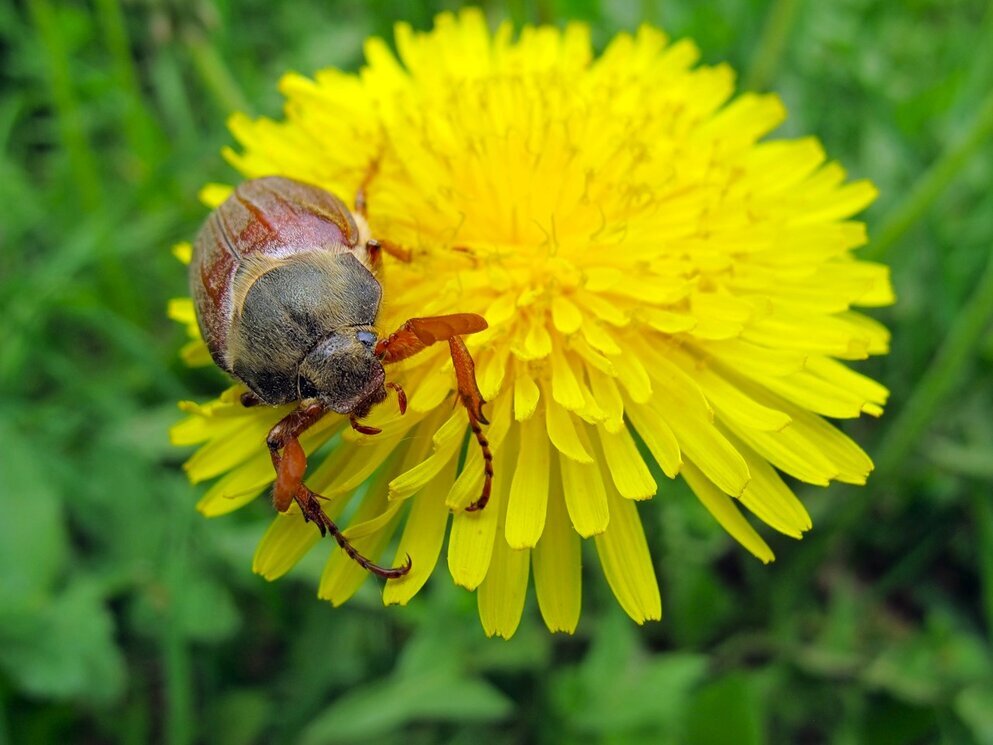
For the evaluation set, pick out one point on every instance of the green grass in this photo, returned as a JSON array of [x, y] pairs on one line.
[[127, 618]]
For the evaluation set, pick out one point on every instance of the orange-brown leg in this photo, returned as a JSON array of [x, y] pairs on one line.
[[361, 205], [290, 462], [420, 333], [377, 246]]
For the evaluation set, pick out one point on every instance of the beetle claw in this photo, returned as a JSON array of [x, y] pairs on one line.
[[362, 429], [401, 397]]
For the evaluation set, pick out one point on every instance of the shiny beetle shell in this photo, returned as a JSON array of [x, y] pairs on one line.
[[276, 268]]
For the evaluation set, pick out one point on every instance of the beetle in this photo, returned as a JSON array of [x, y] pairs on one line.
[[283, 279]]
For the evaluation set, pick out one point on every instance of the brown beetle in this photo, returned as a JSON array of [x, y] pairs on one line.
[[283, 280]]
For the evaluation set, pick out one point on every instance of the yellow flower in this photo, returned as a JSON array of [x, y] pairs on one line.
[[659, 285]]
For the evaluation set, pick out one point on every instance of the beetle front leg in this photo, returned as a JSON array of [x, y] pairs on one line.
[[418, 334], [376, 247], [290, 462]]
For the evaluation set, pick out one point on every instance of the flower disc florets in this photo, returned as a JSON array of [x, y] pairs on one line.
[[660, 286]]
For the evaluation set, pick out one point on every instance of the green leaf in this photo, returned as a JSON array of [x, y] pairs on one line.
[[925, 667], [67, 651], [728, 711], [385, 706], [240, 717], [620, 689], [206, 610], [32, 536], [975, 707]]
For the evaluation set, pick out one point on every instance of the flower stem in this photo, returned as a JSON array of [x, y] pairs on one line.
[[775, 34], [217, 77], [179, 697], [933, 184]]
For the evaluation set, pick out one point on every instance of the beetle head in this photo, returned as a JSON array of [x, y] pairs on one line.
[[343, 371]]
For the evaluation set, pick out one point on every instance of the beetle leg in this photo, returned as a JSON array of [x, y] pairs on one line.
[[401, 397], [362, 428], [313, 512], [375, 247], [420, 333], [361, 205], [472, 399], [290, 462]]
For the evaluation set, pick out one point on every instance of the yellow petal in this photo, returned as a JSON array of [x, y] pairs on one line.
[[732, 403], [809, 448], [755, 361], [287, 540], [599, 338], [848, 379], [627, 468], [431, 390], [633, 376], [770, 499], [537, 341], [722, 508], [667, 321], [566, 317], [468, 486], [361, 462], [843, 202], [183, 251], [792, 329], [342, 576], [422, 538], [233, 442], [529, 488], [237, 488], [526, 395], [501, 595], [585, 496], [818, 395], [562, 432], [658, 438], [852, 462], [492, 372], [213, 195], [877, 335], [626, 562], [605, 391], [789, 452], [181, 309], [703, 443], [470, 545], [565, 387], [557, 567], [446, 442]]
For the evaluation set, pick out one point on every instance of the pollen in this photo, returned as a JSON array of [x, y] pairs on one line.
[[670, 293]]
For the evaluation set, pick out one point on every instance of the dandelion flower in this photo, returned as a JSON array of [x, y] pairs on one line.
[[662, 286]]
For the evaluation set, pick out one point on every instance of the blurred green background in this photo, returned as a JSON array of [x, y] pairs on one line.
[[125, 617]]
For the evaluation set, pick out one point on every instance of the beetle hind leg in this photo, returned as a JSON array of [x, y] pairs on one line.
[[312, 512], [290, 463]]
